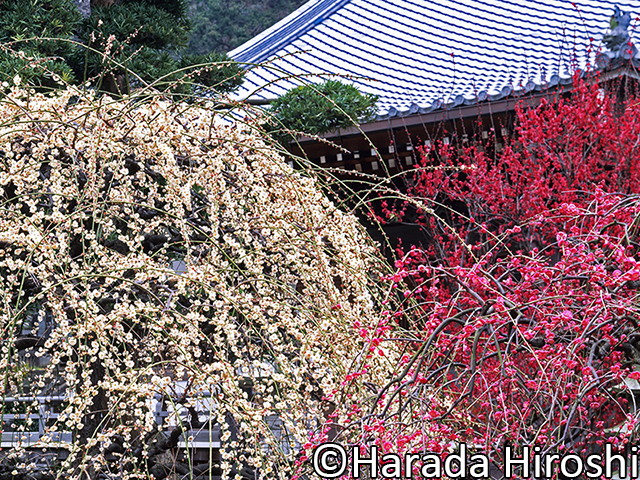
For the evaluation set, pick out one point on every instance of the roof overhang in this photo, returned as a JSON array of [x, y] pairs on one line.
[[488, 107]]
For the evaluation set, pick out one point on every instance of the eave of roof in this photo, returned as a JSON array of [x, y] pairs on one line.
[[488, 107]]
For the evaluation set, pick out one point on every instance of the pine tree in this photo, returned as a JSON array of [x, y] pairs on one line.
[[116, 45], [132, 42], [27, 45]]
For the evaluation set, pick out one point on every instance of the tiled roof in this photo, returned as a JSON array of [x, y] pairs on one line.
[[421, 55]]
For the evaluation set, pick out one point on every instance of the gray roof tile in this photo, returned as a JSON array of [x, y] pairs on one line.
[[419, 55]]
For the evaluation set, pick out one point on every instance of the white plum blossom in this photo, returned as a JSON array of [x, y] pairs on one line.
[[175, 259]]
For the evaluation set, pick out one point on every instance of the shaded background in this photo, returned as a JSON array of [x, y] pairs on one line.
[[222, 25]]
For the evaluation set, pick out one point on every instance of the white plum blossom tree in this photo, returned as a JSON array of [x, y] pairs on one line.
[[152, 253]]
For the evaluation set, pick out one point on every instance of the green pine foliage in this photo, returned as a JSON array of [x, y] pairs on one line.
[[212, 70], [140, 24], [27, 28], [148, 38], [130, 36], [318, 109], [222, 25], [123, 45]]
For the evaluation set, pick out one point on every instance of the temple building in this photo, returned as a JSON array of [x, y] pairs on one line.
[[443, 70]]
